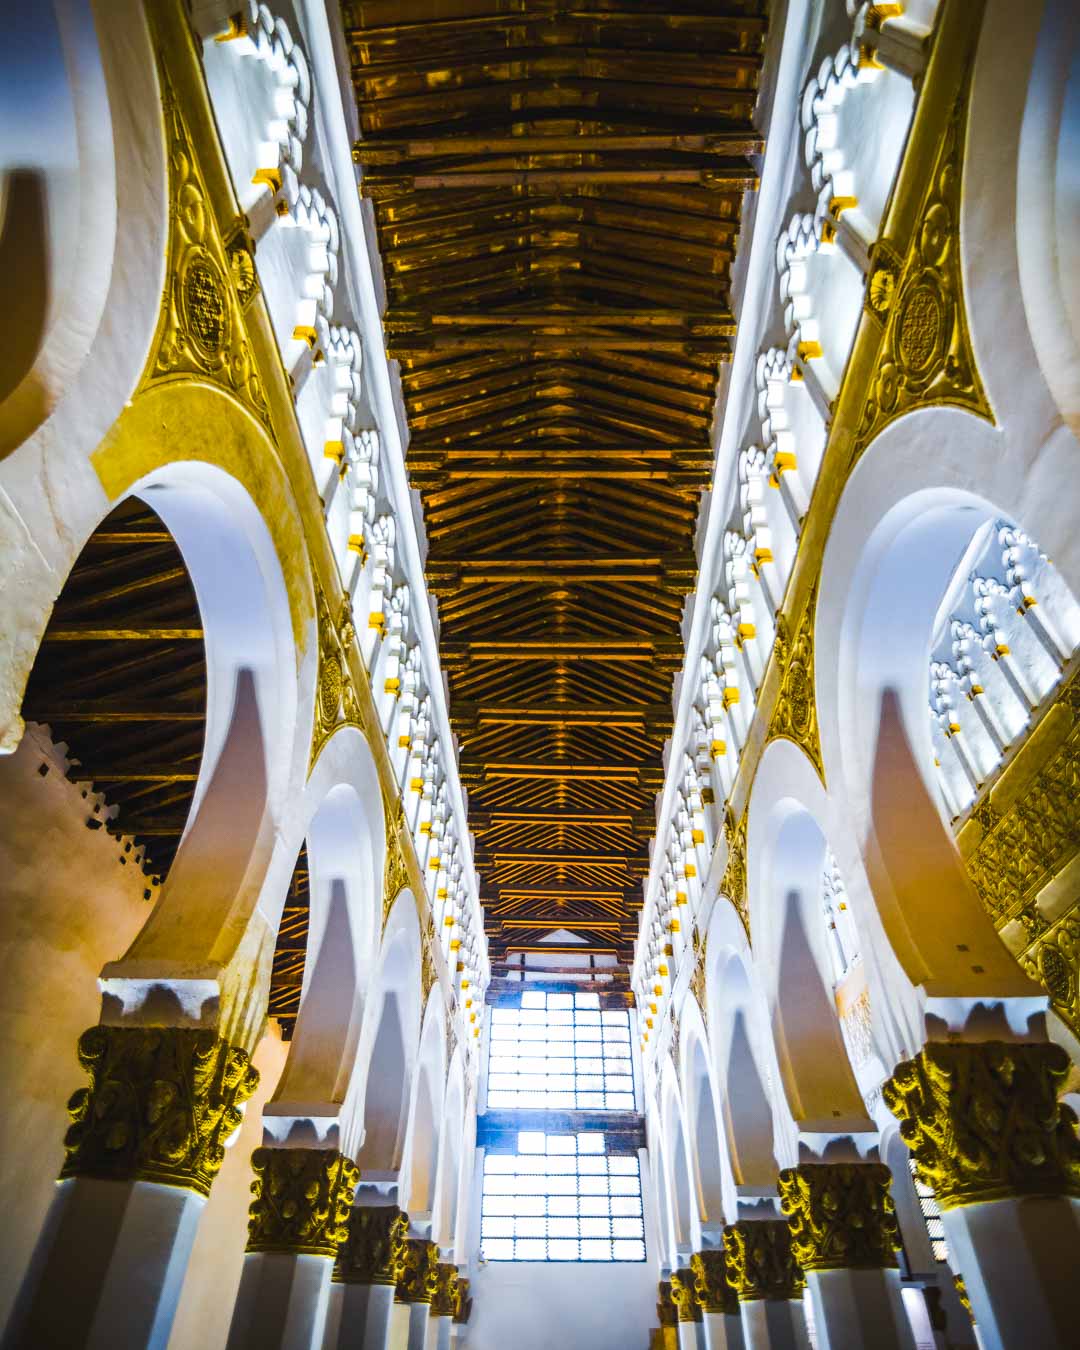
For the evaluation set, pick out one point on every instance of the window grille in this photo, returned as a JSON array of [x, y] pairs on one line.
[[562, 1197], [561, 1052], [931, 1212]]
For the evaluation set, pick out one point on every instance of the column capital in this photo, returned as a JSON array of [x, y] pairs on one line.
[[983, 1122], [684, 1296], [374, 1251], [303, 1197], [442, 1300], [161, 1103], [462, 1301], [759, 1260], [711, 1286], [418, 1274], [841, 1215], [667, 1314]]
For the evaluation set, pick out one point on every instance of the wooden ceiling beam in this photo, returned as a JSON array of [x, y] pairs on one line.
[[96, 632], [384, 150], [653, 650], [710, 324], [560, 714], [643, 774]]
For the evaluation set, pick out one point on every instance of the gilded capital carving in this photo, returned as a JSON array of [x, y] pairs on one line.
[[419, 1272], [841, 1215], [443, 1299], [733, 882], [760, 1262], [667, 1314], [161, 1104], [395, 869], [712, 1289], [983, 1121], [462, 1301], [374, 1251], [684, 1296], [303, 1197]]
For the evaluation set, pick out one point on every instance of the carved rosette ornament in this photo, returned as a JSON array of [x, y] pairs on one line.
[[733, 882], [841, 1215], [925, 356], [760, 1262], [161, 1104], [419, 1274], [983, 1120], [442, 1301], [201, 330], [712, 1290], [794, 716], [667, 1313], [303, 1199], [684, 1295], [374, 1251]]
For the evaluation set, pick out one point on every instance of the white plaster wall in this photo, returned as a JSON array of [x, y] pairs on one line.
[[66, 907], [562, 1307], [204, 1311]]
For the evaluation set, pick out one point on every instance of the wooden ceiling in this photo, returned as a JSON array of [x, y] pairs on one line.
[[557, 191], [120, 679]]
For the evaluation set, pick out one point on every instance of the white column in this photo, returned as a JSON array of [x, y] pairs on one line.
[[774, 1324], [723, 1331], [281, 1303], [364, 1322], [859, 1310], [107, 1268], [1020, 1259]]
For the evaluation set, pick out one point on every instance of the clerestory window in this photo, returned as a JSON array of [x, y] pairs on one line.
[[561, 1187]]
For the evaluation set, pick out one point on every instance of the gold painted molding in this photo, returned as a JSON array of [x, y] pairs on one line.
[[202, 330], [1023, 831], [912, 350], [794, 715]]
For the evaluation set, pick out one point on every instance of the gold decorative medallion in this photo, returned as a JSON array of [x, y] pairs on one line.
[[208, 287], [925, 356], [711, 1287], [841, 1215], [794, 716], [759, 1260], [161, 1105], [983, 1121], [374, 1251], [303, 1199]]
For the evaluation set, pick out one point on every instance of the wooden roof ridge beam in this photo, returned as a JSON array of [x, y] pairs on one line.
[[385, 150], [407, 346], [643, 774], [730, 178], [675, 571], [659, 652], [102, 631], [709, 323], [556, 921], [440, 456], [561, 714], [489, 820]]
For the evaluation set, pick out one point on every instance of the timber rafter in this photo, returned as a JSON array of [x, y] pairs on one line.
[[558, 191]]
